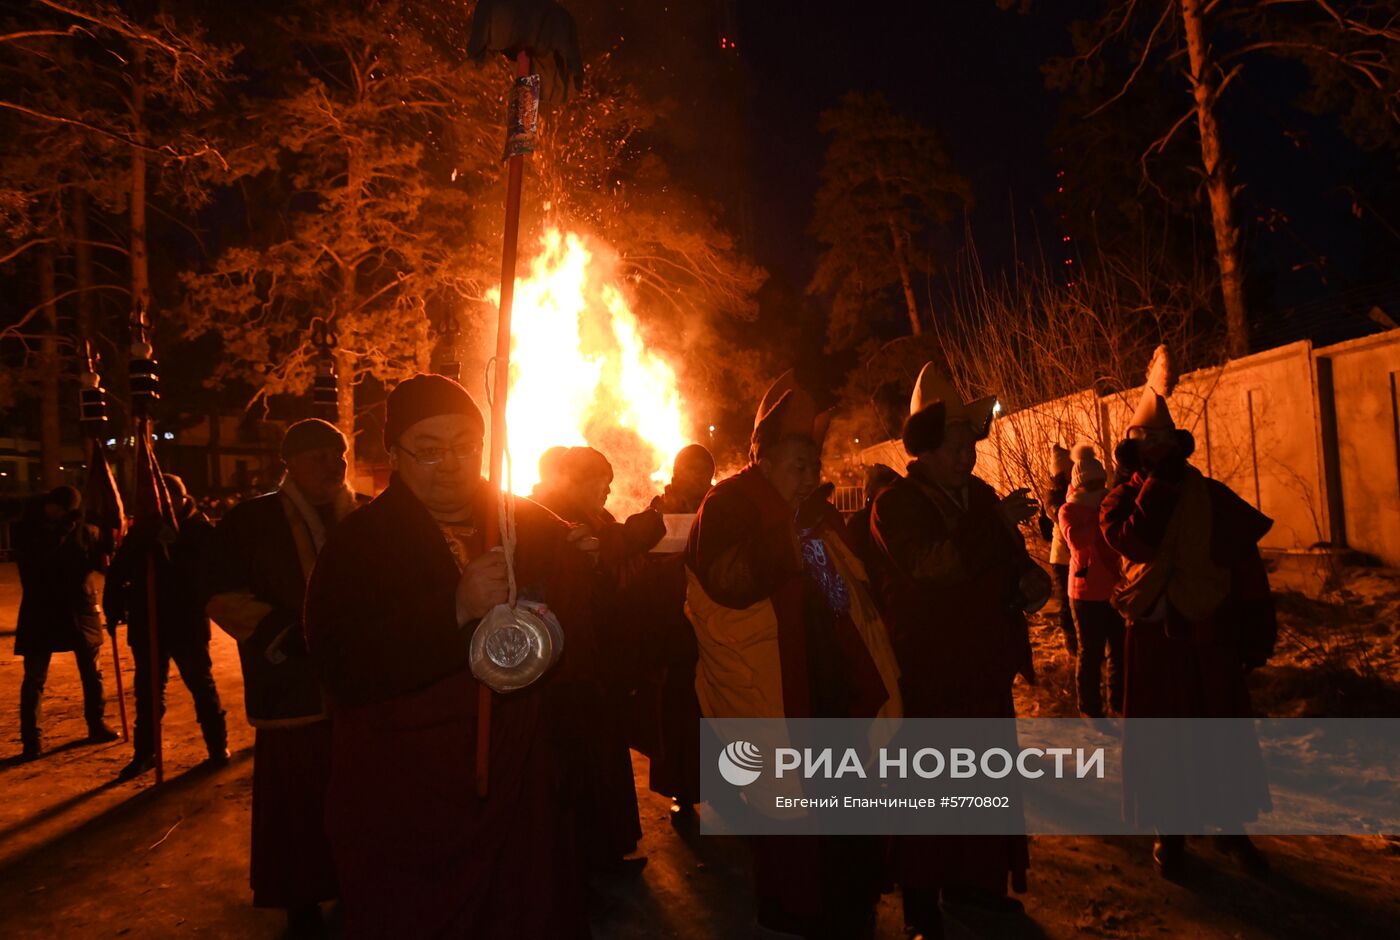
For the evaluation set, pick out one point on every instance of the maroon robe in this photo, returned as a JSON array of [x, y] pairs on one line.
[[744, 548], [665, 718], [417, 851], [948, 576], [1193, 669], [591, 708]]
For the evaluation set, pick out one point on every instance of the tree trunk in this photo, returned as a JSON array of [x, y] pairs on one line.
[[82, 251], [901, 261], [1228, 254], [50, 431], [140, 269], [345, 405]]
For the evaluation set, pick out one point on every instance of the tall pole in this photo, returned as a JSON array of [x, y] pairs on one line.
[[500, 390], [151, 513]]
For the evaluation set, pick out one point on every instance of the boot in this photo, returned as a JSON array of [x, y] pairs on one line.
[[1169, 856], [139, 765], [101, 734], [1243, 850], [215, 732]]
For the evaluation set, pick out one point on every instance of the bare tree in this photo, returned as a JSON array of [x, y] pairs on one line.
[[1351, 49]]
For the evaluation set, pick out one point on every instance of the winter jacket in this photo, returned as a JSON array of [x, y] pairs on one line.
[[1094, 567], [180, 567], [1055, 498], [57, 561]]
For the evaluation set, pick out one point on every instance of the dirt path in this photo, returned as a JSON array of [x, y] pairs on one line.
[[81, 856]]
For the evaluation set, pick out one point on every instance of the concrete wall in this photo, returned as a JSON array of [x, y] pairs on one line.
[[1309, 437], [1365, 376]]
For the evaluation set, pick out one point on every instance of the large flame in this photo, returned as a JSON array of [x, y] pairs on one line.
[[581, 374]]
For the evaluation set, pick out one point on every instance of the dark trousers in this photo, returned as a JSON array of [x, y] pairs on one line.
[[1066, 616], [31, 692], [1100, 627], [196, 670]]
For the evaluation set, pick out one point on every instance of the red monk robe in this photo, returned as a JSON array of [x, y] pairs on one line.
[[949, 573], [780, 639], [667, 719], [417, 852], [590, 709], [1194, 663]]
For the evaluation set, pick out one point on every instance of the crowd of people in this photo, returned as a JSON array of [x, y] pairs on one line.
[[392, 773]]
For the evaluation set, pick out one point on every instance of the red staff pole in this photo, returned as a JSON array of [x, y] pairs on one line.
[[121, 692], [93, 445], [498, 411], [153, 634]]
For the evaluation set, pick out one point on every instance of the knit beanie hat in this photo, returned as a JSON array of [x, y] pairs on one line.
[[66, 498], [425, 396], [1086, 467], [311, 434]]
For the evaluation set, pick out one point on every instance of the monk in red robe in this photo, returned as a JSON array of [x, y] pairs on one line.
[[668, 713], [391, 608], [1195, 595], [786, 628], [956, 581], [591, 709]]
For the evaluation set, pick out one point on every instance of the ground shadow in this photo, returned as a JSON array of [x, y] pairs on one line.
[[112, 817]]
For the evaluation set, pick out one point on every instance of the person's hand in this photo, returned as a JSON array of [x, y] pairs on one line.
[[1018, 506], [484, 584], [583, 539], [1171, 468], [1127, 459], [645, 529]]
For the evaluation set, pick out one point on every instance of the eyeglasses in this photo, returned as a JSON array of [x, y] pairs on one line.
[[432, 456]]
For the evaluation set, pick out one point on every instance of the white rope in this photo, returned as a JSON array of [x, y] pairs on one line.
[[505, 495]]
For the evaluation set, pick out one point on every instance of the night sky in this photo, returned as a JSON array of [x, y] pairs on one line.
[[973, 72], [963, 67]]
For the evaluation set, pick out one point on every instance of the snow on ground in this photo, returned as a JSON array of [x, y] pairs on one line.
[[82, 856]]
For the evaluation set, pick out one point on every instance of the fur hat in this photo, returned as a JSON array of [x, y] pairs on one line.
[[1086, 467], [788, 410], [66, 498], [933, 387]]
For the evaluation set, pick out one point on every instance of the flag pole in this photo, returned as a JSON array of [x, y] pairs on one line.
[[101, 501], [501, 388], [121, 692], [153, 504]]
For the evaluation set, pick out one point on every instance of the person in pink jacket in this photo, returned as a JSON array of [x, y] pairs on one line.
[[1094, 572]]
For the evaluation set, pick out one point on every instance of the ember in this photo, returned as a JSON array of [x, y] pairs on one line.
[[581, 373]]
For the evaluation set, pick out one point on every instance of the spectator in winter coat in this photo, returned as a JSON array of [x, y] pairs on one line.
[[1055, 495], [57, 556], [1094, 571]]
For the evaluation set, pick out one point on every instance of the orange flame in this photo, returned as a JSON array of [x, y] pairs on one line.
[[582, 374]]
